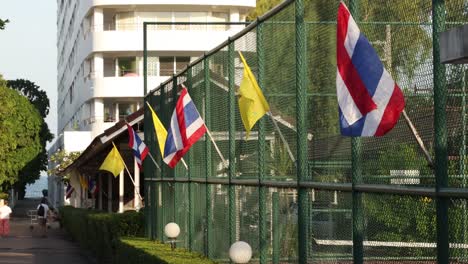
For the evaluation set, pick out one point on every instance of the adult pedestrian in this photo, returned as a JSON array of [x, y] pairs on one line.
[[5, 212], [42, 213]]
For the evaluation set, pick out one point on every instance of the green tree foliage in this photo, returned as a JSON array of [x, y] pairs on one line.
[[3, 23], [261, 8], [39, 99], [19, 134], [62, 159]]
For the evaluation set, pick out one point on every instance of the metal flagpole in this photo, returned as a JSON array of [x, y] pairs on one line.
[[128, 171], [216, 147], [154, 161], [131, 178], [282, 137], [418, 139]]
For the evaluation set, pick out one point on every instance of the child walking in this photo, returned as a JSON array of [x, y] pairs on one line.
[[5, 212]]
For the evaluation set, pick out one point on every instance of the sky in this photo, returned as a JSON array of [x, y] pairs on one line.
[[28, 47]]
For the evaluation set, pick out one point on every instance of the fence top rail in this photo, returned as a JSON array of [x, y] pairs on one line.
[[231, 39]]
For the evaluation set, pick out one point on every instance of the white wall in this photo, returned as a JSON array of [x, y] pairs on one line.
[[76, 140]]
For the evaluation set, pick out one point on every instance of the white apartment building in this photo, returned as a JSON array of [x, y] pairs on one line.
[[100, 55]]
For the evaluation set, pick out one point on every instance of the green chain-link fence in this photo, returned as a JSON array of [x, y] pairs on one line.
[[318, 196]]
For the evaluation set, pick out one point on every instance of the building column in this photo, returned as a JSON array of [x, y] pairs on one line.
[[100, 191], [234, 16], [121, 191], [98, 19], [136, 174], [109, 193], [98, 65]]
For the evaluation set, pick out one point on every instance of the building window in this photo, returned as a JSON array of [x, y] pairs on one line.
[[152, 66], [71, 92], [126, 109], [127, 66], [109, 67], [109, 112], [170, 65], [182, 17]]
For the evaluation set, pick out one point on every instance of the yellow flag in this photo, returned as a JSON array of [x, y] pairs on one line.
[[161, 132], [82, 181], [252, 103], [113, 162]]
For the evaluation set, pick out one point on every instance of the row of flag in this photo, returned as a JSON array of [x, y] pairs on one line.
[[369, 100], [86, 183]]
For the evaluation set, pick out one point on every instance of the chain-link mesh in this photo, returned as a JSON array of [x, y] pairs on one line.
[[373, 200]]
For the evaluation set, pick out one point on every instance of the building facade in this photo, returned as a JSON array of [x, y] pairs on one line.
[[100, 55]]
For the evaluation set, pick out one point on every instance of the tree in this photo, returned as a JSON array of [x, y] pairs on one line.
[[3, 23], [39, 99], [261, 8], [62, 159], [19, 134]]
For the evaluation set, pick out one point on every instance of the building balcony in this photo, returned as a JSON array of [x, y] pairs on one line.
[[180, 40], [129, 85]]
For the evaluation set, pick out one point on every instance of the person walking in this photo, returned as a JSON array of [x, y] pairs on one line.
[[42, 212], [5, 212]]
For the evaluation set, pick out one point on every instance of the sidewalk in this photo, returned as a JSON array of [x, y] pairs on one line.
[[25, 245]]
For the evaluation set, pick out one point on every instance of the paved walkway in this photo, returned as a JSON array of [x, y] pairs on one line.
[[25, 245]]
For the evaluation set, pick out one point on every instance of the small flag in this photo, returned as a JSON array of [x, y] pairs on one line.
[[159, 130], [83, 182], [140, 150], [113, 162], [370, 102], [252, 103], [69, 191], [186, 128], [93, 188]]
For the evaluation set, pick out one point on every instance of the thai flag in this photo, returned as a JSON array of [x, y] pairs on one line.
[[69, 191], [370, 102], [93, 188], [186, 128], [140, 150]]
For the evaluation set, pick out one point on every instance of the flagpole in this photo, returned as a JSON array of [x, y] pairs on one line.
[[282, 137], [418, 139], [131, 178], [128, 171], [154, 161], [183, 162], [216, 147]]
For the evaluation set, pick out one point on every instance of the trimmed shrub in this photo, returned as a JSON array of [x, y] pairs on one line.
[[98, 231], [141, 250]]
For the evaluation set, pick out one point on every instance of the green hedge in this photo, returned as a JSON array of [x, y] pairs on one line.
[[141, 250], [99, 232]]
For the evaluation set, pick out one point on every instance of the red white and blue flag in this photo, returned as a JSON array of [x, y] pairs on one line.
[[370, 102], [140, 150], [69, 191], [185, 129], [93, 188]]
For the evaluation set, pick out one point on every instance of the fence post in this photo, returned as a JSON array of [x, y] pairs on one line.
[[163, 107], [232, 143], [440, 127], [175, 217], [301, 102], [147, 172], [262, 230], [275, 226], [356, 174], [208, 167], [145, 60], [191, 220], [462, 152]]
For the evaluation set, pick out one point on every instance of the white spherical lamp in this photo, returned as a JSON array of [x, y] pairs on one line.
[[172, 230], [240, 252]]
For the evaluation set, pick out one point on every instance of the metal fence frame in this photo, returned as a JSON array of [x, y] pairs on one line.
[[441, 191]]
